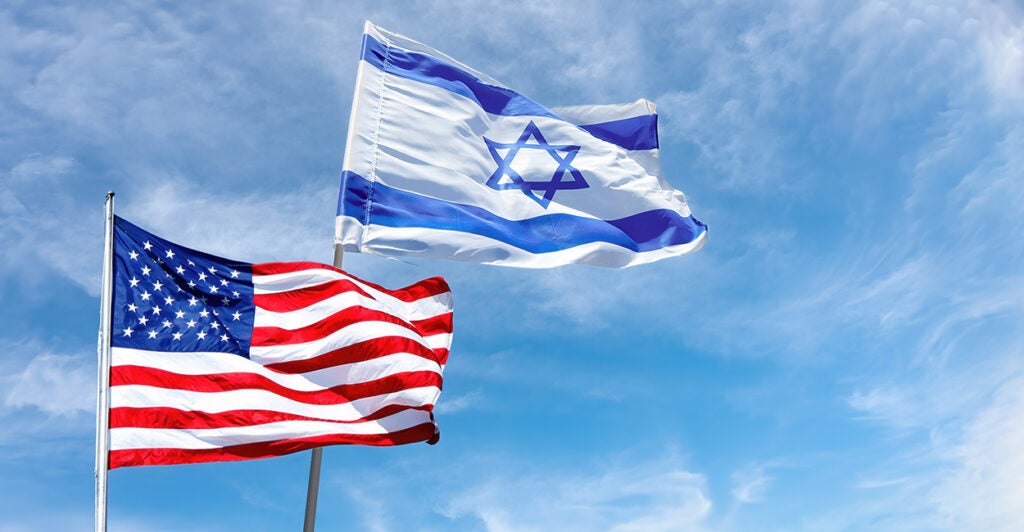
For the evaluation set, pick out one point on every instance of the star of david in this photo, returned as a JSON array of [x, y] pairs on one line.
[[540, 191]]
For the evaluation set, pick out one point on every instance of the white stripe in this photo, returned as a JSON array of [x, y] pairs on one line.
[[596, 114], [137, 438], [352, 334], [431, 141], [139, 396], [472, 247], [286, 282], [217, 363], [295, 319]]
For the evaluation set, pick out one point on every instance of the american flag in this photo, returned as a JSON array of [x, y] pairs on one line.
[[216, 360]]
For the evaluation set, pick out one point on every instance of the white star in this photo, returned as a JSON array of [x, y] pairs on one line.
[[180, 270], [191, 284], [190, 263], [212, 269], [215, 325], [213, 288], [152, 335], [202, 276], [145, 270], [170, 254], [143, 320], [191, 323], [236, 294], [225, 301], [201, 335], [132, 307], [133, 281], [145, 295], [234, 274], [168, 300], [133, 255], [193, 302], [204, 313], [157, 286], [166, 323], [223, 282], [177, 336], [147, 245], [180, 314], [128, 332], [224, 337], [156, 310], [237, 315]]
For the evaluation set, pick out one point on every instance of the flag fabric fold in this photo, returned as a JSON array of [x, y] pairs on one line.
[[217, 360], [444, 162]]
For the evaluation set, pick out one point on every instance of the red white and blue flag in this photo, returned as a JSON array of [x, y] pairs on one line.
[[217, 360]]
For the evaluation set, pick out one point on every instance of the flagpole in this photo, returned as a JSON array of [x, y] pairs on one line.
[[103, 368], [313, 488]]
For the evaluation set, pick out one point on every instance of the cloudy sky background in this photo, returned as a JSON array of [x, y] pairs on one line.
[[846, 353]]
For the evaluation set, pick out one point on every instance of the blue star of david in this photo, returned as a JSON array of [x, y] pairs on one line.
[[540, 191]]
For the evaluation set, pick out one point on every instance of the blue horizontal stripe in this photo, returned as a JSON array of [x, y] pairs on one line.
[[636, 133], [391, 207]]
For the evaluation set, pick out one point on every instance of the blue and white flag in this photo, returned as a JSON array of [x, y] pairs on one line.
[[445, 162]]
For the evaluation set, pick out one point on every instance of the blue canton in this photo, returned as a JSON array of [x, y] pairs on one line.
[[540, 191], [171, 298]]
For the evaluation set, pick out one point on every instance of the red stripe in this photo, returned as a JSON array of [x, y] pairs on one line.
[[359, 352], [440, 324], [250, 451], [223, 382], [271, 336], [172, 418], [425, 288]]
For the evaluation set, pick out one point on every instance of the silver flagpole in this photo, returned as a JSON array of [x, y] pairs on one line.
[[313, 488], [103, 368]]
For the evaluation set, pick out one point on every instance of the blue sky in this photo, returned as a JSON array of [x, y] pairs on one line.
[[846, 353]]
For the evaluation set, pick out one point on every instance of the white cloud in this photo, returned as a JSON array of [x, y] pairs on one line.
[[983, 489], [253, 227], [44, 222], [450, 405], [57, 385], [657, 495], [1001, 46], [886, 405], [750, 484]]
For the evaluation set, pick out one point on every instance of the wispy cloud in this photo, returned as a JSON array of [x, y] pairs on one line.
[[750, 484], [982, 489], [472, 400], [35, 206], [56, 385], [644, 496]]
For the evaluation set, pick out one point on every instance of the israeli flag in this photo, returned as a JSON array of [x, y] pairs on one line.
[[445, 162]]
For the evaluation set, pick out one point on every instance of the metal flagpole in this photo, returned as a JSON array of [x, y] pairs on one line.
[[313, 488], [103, 368]]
